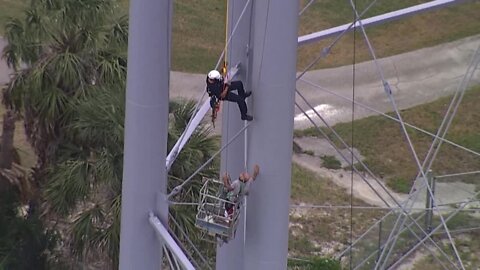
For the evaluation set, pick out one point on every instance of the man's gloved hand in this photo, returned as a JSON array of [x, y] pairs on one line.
[[223, 94]]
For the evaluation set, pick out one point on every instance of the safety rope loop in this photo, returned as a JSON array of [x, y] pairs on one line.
[[232, 34], [201, 98], [224, 68]]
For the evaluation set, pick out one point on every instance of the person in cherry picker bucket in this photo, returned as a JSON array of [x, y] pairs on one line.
[[218, 90], [238, 188]]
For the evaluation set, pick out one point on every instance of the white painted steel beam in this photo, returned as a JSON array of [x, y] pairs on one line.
[[169, 242], [390, 16], [187, 134]]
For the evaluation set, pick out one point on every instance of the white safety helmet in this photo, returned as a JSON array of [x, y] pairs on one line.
[[214, 75]]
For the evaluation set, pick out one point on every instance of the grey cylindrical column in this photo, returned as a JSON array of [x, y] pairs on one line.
[[230, 256], [146, 126], [274, 44]]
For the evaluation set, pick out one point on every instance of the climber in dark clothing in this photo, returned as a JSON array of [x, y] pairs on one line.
[[218, 90]]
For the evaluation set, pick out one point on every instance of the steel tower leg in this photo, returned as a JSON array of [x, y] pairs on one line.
[[230, 256], [146, 126], [274, 48]]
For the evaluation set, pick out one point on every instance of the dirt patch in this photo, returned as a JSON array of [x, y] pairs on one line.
[[373, 191]]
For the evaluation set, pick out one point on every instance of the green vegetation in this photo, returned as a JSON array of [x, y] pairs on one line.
[[467, 244], [199, 27], [314, 264], [312, 228], [331, 162], [308, 187], [23, 241], [76, 127], [461, 220], [309, 152], [66, 120], [300, 244], [399, 184], [382, 142]]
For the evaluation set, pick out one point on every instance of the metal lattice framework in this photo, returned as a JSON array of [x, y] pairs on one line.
[[402, 217], [402, 212]]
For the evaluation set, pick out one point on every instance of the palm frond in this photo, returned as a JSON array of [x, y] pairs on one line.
[[68, 183], [182, 113], [85, 229], [36, 26], [108, 168], [108, 239], [117, 34], [24, 44], [68, 71], [14, 93], [14, 30], [111, 67], [13, 52], [52, 107], [11, 55], [100, 119]]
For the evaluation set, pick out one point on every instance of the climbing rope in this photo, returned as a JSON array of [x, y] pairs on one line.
[[225, 74], [225, 60], [199, 100], [353, 129]]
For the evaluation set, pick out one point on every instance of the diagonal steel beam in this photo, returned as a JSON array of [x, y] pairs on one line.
[[166, 239], [390, 16]]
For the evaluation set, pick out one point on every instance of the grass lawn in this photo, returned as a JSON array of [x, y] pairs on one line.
[[198, 30], [381, 141]]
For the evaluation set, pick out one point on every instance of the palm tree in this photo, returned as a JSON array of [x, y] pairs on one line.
[[84, 185], [70, 58], [63, 52], [69, 49], [89, 176]]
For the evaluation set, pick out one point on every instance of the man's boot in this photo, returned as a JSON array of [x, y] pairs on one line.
[[247, 117]]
